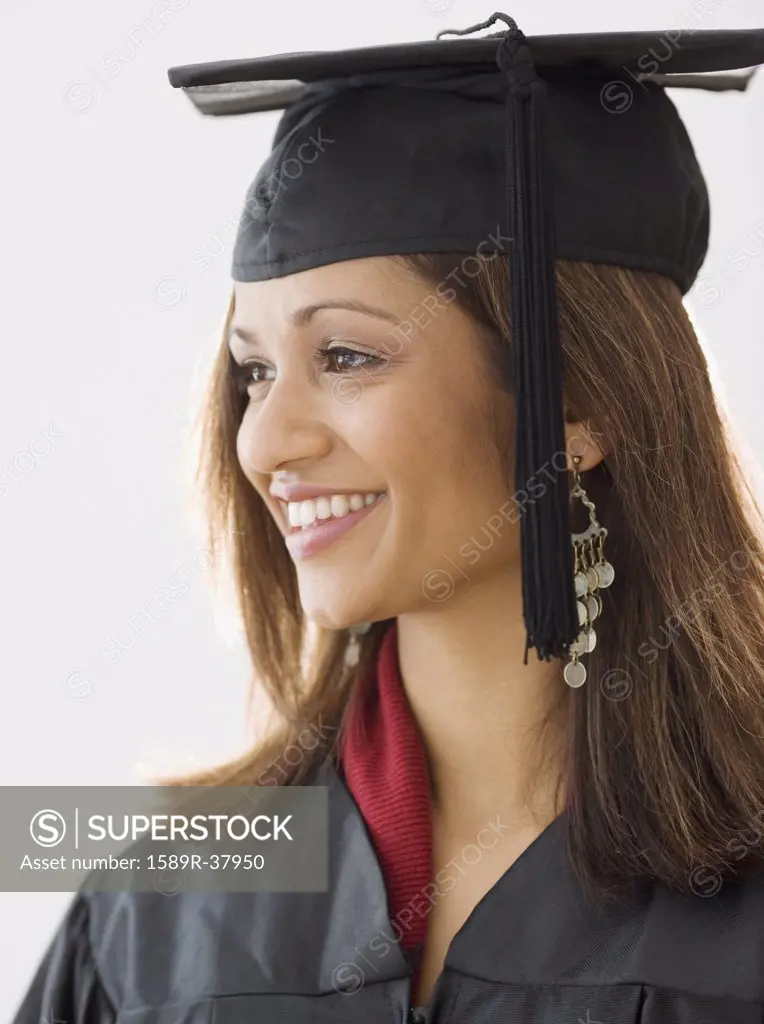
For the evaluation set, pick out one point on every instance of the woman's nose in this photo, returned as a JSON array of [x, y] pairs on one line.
[[287, 426]]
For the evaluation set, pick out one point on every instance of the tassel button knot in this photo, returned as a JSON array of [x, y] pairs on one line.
[[515, 60]]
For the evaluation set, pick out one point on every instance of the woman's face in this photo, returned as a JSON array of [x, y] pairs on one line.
[[369, 422]]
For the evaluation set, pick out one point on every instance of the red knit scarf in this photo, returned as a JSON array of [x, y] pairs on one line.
[[386, 771]]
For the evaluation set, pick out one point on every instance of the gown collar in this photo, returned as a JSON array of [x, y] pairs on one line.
[[385, 769]]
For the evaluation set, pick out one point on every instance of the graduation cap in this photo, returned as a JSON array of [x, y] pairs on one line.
[[540, 147]]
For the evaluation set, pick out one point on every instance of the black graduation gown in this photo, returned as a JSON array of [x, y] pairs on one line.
[[532, 951]]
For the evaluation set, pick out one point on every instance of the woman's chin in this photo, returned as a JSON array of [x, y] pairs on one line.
[[335, 617]]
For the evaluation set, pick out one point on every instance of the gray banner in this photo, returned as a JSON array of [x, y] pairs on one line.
[[164, 839]]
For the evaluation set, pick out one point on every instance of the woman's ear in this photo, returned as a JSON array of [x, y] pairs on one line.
[[581, 439]]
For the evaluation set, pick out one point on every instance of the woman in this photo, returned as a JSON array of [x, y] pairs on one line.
[[503, 846]]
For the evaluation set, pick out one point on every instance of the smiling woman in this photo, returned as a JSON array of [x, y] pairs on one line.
[[408, 433], [442, 437]]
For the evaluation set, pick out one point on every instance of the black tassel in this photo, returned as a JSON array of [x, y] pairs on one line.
[[549, 606]]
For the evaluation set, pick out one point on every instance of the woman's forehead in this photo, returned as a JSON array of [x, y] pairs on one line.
[[375, 282]]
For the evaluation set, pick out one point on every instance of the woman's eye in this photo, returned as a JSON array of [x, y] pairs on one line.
[[340, 359], [249, 373]]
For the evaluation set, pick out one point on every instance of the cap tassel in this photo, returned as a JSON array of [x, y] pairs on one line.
[[547, 562], [549, 604]]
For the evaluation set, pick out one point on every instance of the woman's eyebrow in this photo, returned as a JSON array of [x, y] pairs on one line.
[[302, 316]]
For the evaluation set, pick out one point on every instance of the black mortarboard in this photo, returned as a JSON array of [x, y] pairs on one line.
[[541, 147]]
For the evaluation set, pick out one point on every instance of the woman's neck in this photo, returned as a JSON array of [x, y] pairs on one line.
[[481, 711]]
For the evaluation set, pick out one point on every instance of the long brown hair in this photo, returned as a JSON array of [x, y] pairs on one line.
[[665, 759]]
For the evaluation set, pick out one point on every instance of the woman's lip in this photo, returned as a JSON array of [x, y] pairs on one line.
[[304, 543]]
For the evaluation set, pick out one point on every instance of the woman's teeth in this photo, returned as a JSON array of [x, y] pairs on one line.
[[305, 513]]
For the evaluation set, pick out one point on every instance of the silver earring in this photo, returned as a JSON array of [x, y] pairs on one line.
[[592, 573], [353, 649]]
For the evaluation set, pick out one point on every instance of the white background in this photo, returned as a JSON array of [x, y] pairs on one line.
[[112, 182]]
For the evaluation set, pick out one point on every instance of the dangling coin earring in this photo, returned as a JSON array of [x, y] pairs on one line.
[[353, 649], [592, 573]]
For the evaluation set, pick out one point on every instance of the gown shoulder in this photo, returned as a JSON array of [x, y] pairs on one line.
[[67, 987]]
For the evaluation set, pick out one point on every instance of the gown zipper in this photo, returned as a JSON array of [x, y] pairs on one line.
[[417, 1015]]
